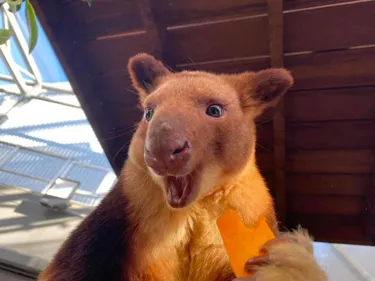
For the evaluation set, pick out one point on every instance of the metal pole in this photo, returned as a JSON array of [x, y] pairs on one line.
[[22, 42]]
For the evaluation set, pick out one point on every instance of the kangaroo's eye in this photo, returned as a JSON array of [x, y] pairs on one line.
[[148, 113], [215, 110]]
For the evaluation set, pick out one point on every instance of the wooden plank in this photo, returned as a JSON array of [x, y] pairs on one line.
[[275, 26], [104, 18], [122, 114], [112, 17], [112, 55], [270, 181], [101, 9], [322, 29], [331, 161], [115, 88], [326, 205], [264, 141], [312, 4], [123, 117], [204, 42], [119, 133], [265, 162], [370, 227], [267, 116], [329, 105], [370, 204], [328, 184], [331, 135], [275, 29], [333, 228], [228, 66], [349, 68], [182, 12], [155, 30]]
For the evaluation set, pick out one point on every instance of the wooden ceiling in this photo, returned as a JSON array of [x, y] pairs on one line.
[[319, 153]]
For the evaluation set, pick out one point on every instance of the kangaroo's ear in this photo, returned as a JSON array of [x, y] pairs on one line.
[[263, 89], [270, 85], [145, 72]]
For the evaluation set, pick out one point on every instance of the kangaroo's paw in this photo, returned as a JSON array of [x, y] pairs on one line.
[[289, 257]]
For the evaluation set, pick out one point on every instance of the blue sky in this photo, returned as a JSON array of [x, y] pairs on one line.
[[43, 54]]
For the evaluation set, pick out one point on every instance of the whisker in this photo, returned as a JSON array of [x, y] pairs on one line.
[[129, 90], [123, 129], [170, 69], [266, 121], [249, 106], [120, 135], [191, 60], [121, 148], [263, 147]]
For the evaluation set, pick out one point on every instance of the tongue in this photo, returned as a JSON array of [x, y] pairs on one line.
[[178, 189]]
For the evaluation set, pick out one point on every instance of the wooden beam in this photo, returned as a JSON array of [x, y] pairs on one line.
[[155, 31], [370, 210], [275, 23]]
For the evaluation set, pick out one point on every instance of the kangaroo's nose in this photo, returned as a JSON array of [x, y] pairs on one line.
[[167, 151]]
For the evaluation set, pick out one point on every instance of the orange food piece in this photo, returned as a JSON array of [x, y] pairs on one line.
[[242, 243]]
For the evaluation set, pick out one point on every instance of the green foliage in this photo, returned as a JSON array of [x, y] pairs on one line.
[[14, 2], [4, 35], [14, 8], [14, 5], [33, 28]]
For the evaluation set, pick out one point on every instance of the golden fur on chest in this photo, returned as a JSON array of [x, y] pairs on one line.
[[174, 244]]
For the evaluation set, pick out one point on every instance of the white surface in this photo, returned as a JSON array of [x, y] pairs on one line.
[[346, 262]]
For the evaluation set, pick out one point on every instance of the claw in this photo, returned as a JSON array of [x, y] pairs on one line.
[[253, 263]]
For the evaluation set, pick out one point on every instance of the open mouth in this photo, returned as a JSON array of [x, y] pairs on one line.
[[180, 190]]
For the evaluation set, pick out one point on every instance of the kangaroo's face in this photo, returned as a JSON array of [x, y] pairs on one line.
[[198, 127]]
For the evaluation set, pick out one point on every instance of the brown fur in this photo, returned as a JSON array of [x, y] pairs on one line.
[[135, 227]]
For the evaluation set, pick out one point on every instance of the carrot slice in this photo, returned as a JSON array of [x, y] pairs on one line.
[[242, 243]]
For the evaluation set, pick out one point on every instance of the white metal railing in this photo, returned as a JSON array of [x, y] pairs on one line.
[[28, 84], [61, 173], [33, 85]]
